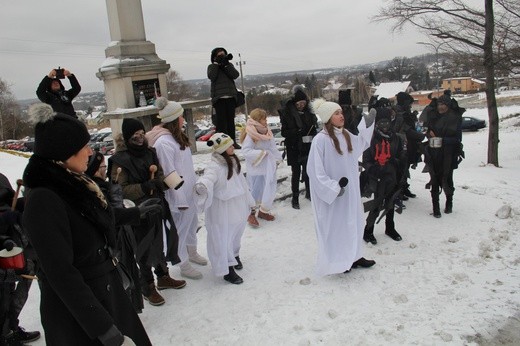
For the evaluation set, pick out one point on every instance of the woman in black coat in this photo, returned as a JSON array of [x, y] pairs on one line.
[[71, 226], [299, 126]]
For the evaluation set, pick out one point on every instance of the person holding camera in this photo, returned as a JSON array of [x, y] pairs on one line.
[[52, 91], [222, 74]]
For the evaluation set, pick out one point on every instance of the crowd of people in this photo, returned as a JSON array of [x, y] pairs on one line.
[[100, 235]]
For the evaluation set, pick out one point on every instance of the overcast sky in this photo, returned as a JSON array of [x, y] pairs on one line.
[[271, 35]]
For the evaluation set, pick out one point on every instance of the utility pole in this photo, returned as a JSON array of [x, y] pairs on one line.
[[436, 47], [240, 63]]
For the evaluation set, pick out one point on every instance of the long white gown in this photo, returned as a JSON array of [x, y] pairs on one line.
[[339, 221], [226, 205]]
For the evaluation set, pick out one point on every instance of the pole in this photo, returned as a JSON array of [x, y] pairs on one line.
[[436, 47], [242, 81]]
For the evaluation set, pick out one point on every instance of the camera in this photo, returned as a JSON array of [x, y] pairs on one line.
[[60, 73]]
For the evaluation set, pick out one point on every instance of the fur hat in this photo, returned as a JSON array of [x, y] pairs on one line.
[[299, 94], [383, 113], [57, 136], [220, 142], [445, 99], [404, 99], [325, 109], [168, 110], [94, 162], [130, 126], [215, 51]]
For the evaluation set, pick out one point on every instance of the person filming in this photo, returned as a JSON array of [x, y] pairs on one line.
[[52, 92]]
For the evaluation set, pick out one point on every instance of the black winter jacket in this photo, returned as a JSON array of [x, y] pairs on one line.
[[61, 101], [82, 296], [295, 125]]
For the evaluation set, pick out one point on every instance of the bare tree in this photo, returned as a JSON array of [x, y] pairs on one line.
[[9, 113], [178, 90], [465, 28]]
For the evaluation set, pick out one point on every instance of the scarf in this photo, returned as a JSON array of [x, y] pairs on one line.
[[257, 131]]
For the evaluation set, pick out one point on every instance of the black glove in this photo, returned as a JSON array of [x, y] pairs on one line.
[[116, 195], [11, 217], [152, 205], [153, 184], [342, 183]]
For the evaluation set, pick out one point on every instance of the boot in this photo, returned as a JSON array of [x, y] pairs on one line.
[[189, 272], [239, 265], [265, 216], [364, 263], [368, 235], [23, 336], [251, 219], [154, 298], [165, 282], [392, 233], [233, 277], [308, 194], [436, 209], [194, 256], [409, 193], [295, 202], [449, 205]]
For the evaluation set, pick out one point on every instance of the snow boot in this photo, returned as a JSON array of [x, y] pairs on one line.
[[194, 256], [449, 205], [295, 203], [239, 265], [392, 233], [266, 216], [436, 209], [251, 219], [233, 277], [165, 282], [368, 235], [154, 298], [363, 263], [189, 272]]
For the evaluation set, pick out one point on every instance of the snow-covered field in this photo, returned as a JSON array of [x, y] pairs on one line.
[[453, 280]]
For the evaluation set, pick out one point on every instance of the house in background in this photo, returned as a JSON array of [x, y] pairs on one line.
[[331, 91], [463, 85], [423, 97], [390, 89]]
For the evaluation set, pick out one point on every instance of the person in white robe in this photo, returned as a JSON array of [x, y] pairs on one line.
[[338, 211], [174, 153], [262, 157], [223, 194]]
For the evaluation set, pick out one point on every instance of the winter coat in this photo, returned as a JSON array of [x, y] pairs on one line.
[[135, 170], [60, 101], [222, 81], [338, 219], [407, 130], [295, 125], [82, 296]]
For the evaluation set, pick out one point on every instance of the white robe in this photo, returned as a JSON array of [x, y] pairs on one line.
[[261, 162], [172, 158], [226, 204], [339, 221]]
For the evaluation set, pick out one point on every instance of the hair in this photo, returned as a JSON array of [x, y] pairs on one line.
[[178, 135], [229, 162], [256, 114], [330, 130]]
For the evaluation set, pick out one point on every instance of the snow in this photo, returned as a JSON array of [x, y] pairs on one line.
[[453, 280], [390, 89]]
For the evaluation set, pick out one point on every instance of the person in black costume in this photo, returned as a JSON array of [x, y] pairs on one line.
[[51, 91], [384, 164], [299, 126], [444, 151]]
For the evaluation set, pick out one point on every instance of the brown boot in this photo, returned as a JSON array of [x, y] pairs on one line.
[[165, 282], [252, 221], [154, 298], [265, 216]]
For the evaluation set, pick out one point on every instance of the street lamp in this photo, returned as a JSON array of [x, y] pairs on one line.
[[436, 47], [240, 63]]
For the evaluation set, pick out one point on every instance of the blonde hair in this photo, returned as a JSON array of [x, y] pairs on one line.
[[256, 114]]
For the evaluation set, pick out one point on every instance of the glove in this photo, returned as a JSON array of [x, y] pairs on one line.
[[200, 189], [370, 117], [342, 183], [152, 184], [116, 195], [151, 205]]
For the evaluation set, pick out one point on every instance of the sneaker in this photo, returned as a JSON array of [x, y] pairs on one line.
[[165, 282], [189, 272], [252, 221], [239, 264], [20, 334], [265, 216], [364, 263], [154, 298], [233, 277]]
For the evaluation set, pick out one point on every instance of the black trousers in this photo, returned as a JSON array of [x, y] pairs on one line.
[[299, 170], [225, 116]]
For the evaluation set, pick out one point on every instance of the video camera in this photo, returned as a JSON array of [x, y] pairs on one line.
[[60, 73]]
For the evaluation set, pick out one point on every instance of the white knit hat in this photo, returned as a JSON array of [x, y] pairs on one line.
[[220, 142], [168, 110], [324, 109]]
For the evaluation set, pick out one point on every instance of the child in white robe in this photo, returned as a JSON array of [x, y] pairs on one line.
[[335, 195], [262, 157], [223, 194]]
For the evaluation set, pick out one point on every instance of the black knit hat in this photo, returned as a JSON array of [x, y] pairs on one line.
[[215, 51], [94, 161], [131, 126], [57, 136], [445, 99], [299, 95], [404, 99]]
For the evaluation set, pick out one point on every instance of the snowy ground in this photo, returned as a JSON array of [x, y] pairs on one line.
[[453, 280]]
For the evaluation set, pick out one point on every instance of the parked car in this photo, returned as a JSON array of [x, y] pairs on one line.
[[207, 136], [472, 124]]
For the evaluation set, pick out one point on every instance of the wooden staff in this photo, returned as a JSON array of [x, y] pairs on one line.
[[118, 170], [19, 184], [153, 169]]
